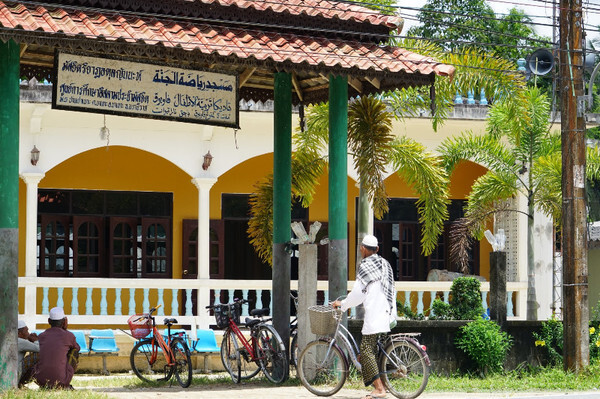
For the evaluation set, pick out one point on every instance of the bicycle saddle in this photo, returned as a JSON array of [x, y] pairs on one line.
[[252, 322], [170, 321], [259, 312]]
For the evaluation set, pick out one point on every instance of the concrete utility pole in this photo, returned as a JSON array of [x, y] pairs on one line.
[[574, 233]]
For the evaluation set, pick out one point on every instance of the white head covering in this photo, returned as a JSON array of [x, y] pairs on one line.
[[57, 313], [370, 241], [21, 324]]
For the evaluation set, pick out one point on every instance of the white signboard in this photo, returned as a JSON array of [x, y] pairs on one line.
[[113, 86]]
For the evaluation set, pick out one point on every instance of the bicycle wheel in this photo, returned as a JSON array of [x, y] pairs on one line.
[[230, 356], [149, 363], [404, 370], [271, 354], [322, 368], [183, 362], [294, 349]]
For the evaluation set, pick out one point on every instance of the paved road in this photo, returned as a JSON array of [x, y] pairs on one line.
[[252, 391]]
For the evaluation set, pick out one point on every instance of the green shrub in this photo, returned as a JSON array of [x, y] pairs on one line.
[[441, 310], [465, 298], [407, 312], [551, 338], [485, 344]]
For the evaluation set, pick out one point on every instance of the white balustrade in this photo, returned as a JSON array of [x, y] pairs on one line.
[[143, 291]]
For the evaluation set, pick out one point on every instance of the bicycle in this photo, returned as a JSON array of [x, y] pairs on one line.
[[265, 348], [144, 357], [294, 334], [323, 365]]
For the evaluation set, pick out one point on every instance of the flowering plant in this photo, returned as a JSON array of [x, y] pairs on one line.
[[550, 337]]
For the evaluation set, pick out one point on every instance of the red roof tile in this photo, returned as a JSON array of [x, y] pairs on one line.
[[321, 8], [241, 43]]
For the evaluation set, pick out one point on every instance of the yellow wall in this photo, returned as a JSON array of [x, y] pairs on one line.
[[129, 169], [122, 169]]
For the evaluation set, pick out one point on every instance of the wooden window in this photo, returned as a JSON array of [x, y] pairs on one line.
[[124, 252], [55, 259], [88, 244], [156, 247]]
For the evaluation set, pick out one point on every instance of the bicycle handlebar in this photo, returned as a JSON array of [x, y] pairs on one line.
[[235, 301], [149, 314]]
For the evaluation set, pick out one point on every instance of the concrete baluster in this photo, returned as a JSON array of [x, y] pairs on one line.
[[245, 307], [174, 302], [59, 299], [118, 304], [146, 302], [45, 302], [131, 309], [74, 301], [188, 302], [89, 309], [259, 302], [161, 302], [419, 302], [103, 302], [484, 304], [446, 296], [431, 299]]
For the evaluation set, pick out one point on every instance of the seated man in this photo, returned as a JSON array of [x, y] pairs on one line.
[[28, 348], [59, 353]]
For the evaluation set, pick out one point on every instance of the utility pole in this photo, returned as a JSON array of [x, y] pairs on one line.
[[574, 230]]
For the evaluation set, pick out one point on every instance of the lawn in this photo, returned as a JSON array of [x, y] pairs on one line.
[[523, 380]]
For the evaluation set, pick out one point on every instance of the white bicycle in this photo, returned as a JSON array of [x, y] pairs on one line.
[[323, 365]]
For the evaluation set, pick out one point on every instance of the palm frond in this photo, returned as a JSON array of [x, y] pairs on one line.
[[485, 193], [423, 171], [369, 140], [260, 225], [462, 230], [485, 150], [547, 176]]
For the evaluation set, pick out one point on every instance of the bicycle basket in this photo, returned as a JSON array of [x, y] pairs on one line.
[[322, 320], [224, 311], [140, 325]]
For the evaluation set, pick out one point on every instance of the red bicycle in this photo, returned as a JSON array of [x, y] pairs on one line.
[[244, 358], [146, 363]]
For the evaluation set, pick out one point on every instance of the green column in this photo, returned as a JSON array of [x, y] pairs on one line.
[[338, 186], [282, 199], [9, 210]]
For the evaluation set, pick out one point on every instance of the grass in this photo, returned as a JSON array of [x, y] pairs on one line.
[[523, 380]]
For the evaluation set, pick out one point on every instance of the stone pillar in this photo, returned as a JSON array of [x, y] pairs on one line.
[[498, 287], [338, 186], [282, 199], [307, 291], [32, 180], [9, 211], [204, 184]]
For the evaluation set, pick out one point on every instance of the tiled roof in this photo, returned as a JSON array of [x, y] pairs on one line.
[[321, 8], [244, 44]]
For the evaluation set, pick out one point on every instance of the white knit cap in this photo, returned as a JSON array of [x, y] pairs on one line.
[[370, 241], [57, 313], [21, 324]]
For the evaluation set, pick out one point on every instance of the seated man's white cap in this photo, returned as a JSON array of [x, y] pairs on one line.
[[57, 313], [370, 241], [21, 324]]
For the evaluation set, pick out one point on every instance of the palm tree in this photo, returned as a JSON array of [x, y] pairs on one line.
[[523, 157], [373, 149], [371, 143]]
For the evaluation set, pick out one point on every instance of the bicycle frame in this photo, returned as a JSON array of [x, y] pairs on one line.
[[158, 339], [248, 345]]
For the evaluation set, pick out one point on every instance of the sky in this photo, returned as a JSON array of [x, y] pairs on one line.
[[542, 10]]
